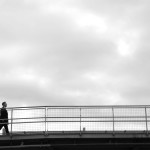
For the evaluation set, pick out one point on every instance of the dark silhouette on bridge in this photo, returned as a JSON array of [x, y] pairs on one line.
[[78, 127]]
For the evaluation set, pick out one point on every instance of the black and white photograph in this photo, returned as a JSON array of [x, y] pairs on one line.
[[75, 69]]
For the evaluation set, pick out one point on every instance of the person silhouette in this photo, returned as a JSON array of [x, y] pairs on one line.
[[4, 117]]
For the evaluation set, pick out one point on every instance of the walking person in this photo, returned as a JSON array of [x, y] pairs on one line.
[[4, 117]]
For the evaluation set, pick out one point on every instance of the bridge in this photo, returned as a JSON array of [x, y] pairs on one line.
[[78, 127]]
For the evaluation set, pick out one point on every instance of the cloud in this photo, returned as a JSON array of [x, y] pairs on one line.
[[74, 52]]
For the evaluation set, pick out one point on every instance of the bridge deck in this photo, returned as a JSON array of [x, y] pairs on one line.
[[78, 127], [76, 134], [76, 140]]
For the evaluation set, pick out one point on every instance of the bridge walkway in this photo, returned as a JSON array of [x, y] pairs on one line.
[[78, 127]]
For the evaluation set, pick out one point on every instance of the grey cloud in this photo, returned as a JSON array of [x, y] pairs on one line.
[[75, 65]]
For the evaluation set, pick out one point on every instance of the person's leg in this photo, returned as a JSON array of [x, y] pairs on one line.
[[1, 125], [6, 128]]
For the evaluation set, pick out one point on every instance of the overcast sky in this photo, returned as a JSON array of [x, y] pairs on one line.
[[74, 52]]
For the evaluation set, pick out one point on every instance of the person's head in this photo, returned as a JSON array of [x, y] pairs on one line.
[[4, 104]]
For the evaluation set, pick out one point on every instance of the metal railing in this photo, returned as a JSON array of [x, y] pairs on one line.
[[79, 118]]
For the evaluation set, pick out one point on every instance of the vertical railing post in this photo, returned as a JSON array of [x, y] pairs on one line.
[[11, 120], [45, 119], [80, 120], [113, 120], [146, 120]]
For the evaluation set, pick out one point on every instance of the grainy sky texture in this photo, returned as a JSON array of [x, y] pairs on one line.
[[74, 52]]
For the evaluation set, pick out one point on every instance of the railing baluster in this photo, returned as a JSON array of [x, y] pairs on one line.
[[45, 119], [80, 120], [113, 120], [146, 120], [11, 120]]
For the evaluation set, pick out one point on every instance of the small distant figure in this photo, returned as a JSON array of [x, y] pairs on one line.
[[4, 117]]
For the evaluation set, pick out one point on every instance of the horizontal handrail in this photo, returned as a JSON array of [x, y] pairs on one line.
[[83, 106], [90, 117]]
